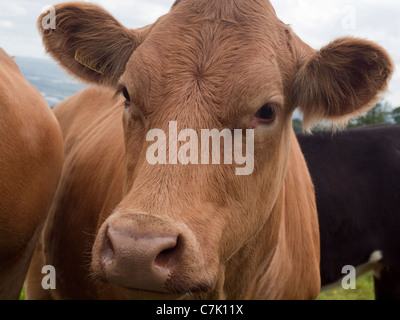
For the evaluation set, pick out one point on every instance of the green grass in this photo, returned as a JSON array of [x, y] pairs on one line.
[[22, 296], [364, 291]]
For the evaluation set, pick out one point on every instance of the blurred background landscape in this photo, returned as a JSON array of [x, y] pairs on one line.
[[46, 76]]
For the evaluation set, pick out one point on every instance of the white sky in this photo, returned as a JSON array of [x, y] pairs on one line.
[[316, 22]]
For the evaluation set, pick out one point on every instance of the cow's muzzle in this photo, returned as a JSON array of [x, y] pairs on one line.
[[144, 252]]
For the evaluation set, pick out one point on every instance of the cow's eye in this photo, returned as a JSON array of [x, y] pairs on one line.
[[126, 94], [266, 115]]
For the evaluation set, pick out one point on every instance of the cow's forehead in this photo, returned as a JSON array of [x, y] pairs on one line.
[[187, 52], [216, 83], [228, 9], [199, 34]]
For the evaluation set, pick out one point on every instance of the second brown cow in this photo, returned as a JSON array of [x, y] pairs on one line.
[[31, 158]]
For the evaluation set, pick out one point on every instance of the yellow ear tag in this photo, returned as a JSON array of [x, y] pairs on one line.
[[85, 61]]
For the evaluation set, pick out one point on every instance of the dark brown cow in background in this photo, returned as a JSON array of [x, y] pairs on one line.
[[356, 174], [31, 155], [122, 228]]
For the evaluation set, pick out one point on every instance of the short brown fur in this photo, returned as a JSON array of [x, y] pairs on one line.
[[31, 158]]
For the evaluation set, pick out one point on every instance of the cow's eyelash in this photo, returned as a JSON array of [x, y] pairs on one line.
[[122, 90]]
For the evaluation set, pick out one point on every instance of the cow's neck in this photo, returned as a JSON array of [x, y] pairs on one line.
[[285, 253]]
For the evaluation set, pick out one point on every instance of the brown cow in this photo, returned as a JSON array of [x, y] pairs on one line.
[[123, 228], [31, 155]]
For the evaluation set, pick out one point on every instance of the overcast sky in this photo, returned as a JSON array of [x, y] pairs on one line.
[[316, 22]]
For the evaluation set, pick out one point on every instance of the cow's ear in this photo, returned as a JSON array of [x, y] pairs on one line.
[[341, 81], [88, 42]]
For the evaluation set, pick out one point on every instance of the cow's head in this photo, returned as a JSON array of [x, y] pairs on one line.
[[207, 64]]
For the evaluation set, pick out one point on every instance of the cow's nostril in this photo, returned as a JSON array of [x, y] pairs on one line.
[[108, 253], [168, 257]]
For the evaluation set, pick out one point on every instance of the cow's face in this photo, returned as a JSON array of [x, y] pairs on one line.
[[204, 77], [207, 65]]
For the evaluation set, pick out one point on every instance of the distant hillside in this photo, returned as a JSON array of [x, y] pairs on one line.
[[54, 84]]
